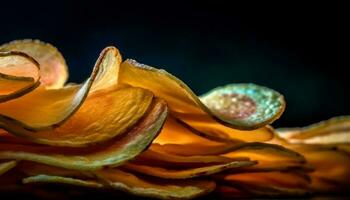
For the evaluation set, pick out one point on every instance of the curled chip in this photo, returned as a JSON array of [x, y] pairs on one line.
[[182, 101], [134, 128], [50, 108], [19, 74], [6, 166], [186, 173], [114, 153], [249, 105], [334, 130], [155, 188], [54, 71]]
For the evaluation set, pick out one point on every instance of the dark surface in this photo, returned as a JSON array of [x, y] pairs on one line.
[[58, 192], [298, 50]]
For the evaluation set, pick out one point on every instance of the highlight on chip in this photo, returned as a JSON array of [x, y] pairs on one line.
[[182, 100], [134, 128]]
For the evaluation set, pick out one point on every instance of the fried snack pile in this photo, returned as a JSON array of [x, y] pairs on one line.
[[134, 128]]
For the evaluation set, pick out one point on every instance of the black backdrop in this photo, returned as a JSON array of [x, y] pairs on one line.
[[299, 50]]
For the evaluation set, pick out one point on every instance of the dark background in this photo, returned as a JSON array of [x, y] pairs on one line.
[[298, 50]]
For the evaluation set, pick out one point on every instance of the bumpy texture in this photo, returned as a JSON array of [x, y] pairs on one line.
[[138, 129]]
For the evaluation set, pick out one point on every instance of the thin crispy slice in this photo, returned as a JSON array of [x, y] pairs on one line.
[[113, 153], [331, 131], [191, 149], [276, 166], [186, 173], [284, 179], [168, 159], [50, 108], [161, 189], [19, 74], [203, 149], [174, 132], [270, 183], [53, 68], [208, 128], [330, 164], [42, 178], [208, 132], [118, 110], [245, 105], [266, 152], [6, 166], [120, 180], [29, 168], [179, 96]]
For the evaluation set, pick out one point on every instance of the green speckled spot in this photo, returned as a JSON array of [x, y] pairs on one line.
[[247, 106]]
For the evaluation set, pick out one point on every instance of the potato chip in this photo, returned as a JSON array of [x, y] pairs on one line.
[[53, 68], [112, 153], [275, 166], [42, 178], [268, 190], [180, 97], [155, 188], [163, 158], [118, 111], [203, 149], [250, 105], [329, 164], [176, 131], [212, 130], [50, 108], [19, 74], [334, 130], [273, 184], [266, 152], [33, 169], [6, 166], [186, 173]]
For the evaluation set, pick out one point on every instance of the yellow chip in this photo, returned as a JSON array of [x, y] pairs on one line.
[[53, 68], [19, 75], [113, 153]]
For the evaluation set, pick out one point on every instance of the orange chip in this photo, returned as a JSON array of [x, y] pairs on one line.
[[182, 101], [52, 107], [19, 74], [113, 153], [53, 68]]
